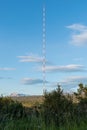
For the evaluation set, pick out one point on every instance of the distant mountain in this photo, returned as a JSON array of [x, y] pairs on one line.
[[17, 95]]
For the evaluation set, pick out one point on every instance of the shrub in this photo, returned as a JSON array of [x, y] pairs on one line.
[[57, 107], [10, 109]]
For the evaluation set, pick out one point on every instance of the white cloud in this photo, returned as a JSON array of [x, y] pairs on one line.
[[31, 81], [74, 79], [66, 68], [70, 84], [7, 69], [30, 58], [79, 39], [77, 27], [79, 35]]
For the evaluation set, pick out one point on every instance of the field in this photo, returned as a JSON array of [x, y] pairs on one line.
[[29, 101]]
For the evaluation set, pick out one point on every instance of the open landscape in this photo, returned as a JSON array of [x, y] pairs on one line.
[[53, 111], [43, 64], [29, 101]]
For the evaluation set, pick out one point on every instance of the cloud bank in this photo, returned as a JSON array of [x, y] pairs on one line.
[[30, 58], [31, 81], [66, 68], [79, 34], [74, 80], [70, 84]]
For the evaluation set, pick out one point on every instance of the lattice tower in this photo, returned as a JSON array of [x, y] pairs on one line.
[[44, 49]]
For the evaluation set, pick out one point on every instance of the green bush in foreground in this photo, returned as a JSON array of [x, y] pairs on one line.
[[10, 109], [60, 108]]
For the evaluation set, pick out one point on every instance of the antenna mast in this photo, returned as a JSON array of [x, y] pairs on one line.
[[44, 49]]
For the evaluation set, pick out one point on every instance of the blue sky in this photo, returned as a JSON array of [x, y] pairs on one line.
[[21, 45]]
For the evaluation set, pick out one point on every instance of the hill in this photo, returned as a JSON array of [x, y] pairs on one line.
[[29, 101]]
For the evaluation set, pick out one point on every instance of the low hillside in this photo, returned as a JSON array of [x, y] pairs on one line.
[[29, 101]]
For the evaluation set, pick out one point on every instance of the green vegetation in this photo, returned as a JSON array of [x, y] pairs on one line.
[[58, 111]]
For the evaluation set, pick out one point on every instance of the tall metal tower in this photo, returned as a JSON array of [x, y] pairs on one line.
[[44, 49]]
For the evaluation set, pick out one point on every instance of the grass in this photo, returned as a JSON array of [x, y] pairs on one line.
[[38, 124]]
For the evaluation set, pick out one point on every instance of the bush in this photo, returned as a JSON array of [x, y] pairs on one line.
[[57, 107], [10, 109]]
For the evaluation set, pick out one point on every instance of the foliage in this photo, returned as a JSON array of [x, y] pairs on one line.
[[57, 107], [10, 109], [60, 108], [57, 112], [81, 95], [37, 124], [81, 92]]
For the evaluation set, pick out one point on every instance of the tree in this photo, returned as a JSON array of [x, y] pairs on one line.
[[81, 95], [81, 91], [57, 106]]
